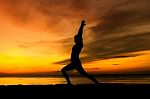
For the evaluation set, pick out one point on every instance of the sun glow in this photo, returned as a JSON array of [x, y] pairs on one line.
[[16, 52], [35, 34], [118, 65]]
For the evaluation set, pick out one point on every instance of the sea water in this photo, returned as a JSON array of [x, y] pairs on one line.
[[75, 80]]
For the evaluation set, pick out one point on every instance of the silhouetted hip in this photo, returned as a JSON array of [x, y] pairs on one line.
[[75, 61]]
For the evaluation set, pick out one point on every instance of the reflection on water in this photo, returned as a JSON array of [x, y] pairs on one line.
[[30, 81], [75, 80]]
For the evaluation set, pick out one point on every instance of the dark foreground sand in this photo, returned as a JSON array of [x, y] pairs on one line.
[[91, 91]]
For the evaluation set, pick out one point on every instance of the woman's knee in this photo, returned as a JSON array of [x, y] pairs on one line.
[[84, 73]]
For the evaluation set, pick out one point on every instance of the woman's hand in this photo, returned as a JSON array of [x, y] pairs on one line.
[[83, 23]]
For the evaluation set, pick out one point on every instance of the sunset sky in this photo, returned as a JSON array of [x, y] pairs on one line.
[[37, 35]]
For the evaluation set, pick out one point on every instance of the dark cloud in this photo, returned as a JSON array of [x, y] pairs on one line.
[[116, 46], [33, 44], [63, 62], [92, 68], [24, 46], [101, 56], [113, 48], [115, 64], [64, 43], [117, 22], [118, 31], [113, 22]]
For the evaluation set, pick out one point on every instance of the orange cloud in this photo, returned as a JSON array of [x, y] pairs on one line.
[[35, 34]]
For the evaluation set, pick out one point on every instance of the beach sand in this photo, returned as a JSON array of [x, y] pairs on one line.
[[104, 90]]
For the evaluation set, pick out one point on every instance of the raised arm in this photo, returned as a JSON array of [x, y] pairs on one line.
[[80, 32]]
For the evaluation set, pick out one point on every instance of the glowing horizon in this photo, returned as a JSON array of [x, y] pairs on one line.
[[37, 35]]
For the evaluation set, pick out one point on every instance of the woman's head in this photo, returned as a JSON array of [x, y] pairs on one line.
[[76, 39]]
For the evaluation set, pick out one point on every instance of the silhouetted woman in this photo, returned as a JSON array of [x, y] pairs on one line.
[[75, 60]]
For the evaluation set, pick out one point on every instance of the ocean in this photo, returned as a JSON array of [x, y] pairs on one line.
[[138, 79]]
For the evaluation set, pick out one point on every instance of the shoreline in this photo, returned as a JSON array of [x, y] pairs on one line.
[[101, 83]]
